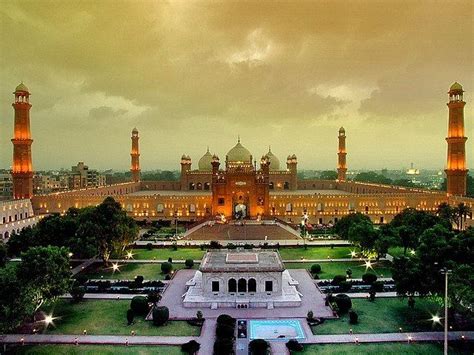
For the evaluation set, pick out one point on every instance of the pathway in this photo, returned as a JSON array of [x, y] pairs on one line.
[[208, 335], [83, 266], [294, 242]]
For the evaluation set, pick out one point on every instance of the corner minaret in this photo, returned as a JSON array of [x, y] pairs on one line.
[[341, 155], [456, 171], [22, 170], [135, 154]]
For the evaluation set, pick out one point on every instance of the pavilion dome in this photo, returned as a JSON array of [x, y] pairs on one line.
[[455, 86], [204, 163], [21, 87], [239, 154], [342, 130], [274, 161]]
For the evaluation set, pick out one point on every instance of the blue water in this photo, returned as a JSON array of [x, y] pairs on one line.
[[276, 329]]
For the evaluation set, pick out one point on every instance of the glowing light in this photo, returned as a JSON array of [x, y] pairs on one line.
[[70, 254], [368, 265], [436, 319], [129, 255], [48, 319], [412, 252], [353, 254], [115, 267]]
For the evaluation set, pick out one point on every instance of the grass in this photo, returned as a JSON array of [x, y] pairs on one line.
[[385, 315], [332, 268], [128, 271], [165, 253], [285, 252], [377, 349], [108, 317], [398, 251], [96, 349], [315, 253]]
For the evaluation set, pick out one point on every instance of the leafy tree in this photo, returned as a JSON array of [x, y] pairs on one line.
[[130, 316], [446, 212], [343, 302], [407, 238], [139, 305], [166, 267], [77, 293], [315, 269], [353, 317], [15, 299], [372, 176], [46, 271], [369, 278], [189, 263], [3, 254], [460, 213], [364, 235], [160, 315], [258, 347], [343, 225], [153, 297], [191, 347], [293, 346], [328, 175]]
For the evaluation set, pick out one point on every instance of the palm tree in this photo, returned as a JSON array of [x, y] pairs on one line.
[[462, 211]]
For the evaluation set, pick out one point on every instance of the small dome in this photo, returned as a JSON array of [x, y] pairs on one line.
[[239, 154], [204, 163], [455, 86], [293, 156], [183, 156], [274, 161], [135, 130], [21, 87], [342, 130]]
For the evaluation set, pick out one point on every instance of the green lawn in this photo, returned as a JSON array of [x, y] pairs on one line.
[[385, 315], [101, 317], [332, 268], [96, 349], [315, 253], [398, 251], [128, 271], [165, 253], [378, 349]]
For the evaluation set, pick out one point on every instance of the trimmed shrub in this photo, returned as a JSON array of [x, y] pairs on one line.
[[258, 347], [377, 286], [310, 315], [139, 281], [345, 286], [214, 245], [160, 315], [191, 347], [189, 263], [80, 279], [153, 297], [225, 331], [199, 315], [226, 319], [130, 316], [77, 293], [343, 302], [223, 346], [353, 317], [315, 269], [369, 278], [166, 267], [294, 345], [139, 305], [149, 246], [349, 272], [248, 246], [168, 277], [336, 281], [170, 259]]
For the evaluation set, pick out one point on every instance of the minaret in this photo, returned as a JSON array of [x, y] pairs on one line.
[[135, 154], [22, 172], [456, 171], [341, 155]]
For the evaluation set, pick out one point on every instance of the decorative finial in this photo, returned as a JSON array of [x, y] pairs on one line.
[[269, 148], [238, 138]]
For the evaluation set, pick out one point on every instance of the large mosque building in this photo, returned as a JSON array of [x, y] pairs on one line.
[[240, 185]]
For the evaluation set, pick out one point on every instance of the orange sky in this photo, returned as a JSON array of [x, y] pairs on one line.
[[189, 74]]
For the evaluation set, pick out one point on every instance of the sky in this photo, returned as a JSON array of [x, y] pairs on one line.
[[192, 74]]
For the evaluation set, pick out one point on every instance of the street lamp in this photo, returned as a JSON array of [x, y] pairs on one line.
[[445, 272], [176, 223], [303, 232]]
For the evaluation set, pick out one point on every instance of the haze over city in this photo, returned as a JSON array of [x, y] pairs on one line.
[[192, 75]]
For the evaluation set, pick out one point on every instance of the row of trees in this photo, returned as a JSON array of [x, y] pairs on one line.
[[87, 232], [434, 244]]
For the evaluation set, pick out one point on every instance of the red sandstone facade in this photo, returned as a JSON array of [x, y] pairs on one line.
[[22, 170], [341, 155], [135, 157]]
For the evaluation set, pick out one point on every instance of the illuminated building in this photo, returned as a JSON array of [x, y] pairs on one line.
[[22, 172], [135, 156], [341, 155], [456, 170]]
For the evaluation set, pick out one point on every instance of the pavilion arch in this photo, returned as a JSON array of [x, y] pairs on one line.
[[232, 285], [242, 285], [252, 285]]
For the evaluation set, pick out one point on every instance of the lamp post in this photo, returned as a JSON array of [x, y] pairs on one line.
[[445, 272], [304, 219], [176, 223]]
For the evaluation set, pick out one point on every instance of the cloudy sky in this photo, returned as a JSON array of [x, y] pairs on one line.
[[192, 74]]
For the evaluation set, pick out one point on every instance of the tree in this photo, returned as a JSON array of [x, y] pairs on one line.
[[328, 175], [166, 267], [15, 299], [446, 212], [199, 315], [460, 213], [46, 271], [189, 263], [407, 238], [77, 292], [343, 225], [364, 235], [315, 269], [293, 346], [353, 317], [139, 305], [372, 176], [130, 316], [3, 254], [369, 278], [153, 297], [343, 303]]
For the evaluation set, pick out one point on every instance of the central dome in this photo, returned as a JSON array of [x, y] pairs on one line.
[[239, 154], [274, 161], [204, 163]]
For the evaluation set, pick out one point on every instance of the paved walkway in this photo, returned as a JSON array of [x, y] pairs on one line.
[[84, 265], [335, 242], [207, 338], [106, 296]]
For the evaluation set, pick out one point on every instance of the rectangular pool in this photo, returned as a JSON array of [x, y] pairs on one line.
[[276, 329]]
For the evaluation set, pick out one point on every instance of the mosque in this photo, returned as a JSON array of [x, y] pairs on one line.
[[242, 186]]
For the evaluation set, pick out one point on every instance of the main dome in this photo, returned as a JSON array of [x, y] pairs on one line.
[[204, 163], [239, 154], [274, 161]]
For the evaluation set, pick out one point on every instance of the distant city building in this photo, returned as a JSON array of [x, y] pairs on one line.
[[81, 177], [6, 185], [412, 171]]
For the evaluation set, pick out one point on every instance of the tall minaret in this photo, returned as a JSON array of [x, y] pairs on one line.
[[135, 154], [22, 171], [456, 171], [341, 154]]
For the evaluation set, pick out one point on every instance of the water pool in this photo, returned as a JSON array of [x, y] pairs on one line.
[[276, 329]]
